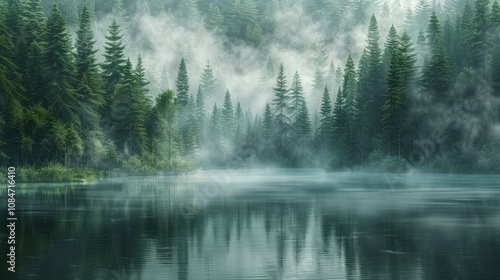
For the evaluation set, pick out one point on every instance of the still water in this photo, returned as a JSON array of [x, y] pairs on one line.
[[260, 224]]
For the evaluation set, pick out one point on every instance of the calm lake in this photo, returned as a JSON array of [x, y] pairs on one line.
[[259, 224]]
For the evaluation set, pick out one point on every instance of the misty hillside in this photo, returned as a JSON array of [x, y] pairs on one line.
[[159, 85]]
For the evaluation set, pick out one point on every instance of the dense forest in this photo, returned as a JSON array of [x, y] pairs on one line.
[[165, 85]]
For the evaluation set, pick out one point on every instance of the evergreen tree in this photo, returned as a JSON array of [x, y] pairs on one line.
[[468, 40], [297, 98], [281, 109], [483, 24], [238, 114], [182, 83], [495, 15], [437, 74], [375, 80], [392, 118], [350, 109], [200, 107], [129, 115], [422, 11], [89, 84], [340, 130], [391, 45], [191, 141], [142, 83], [267, 122], [32, 29], [215, 125], [318, 83], [60, 75], [114, 60], [433, 30], [208, 83], [303, 127], [330, 80], [325, 112], [216, 19], [119, 12], [11, 110], [227, 116]]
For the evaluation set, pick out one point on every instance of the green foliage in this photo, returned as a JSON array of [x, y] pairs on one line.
[[57, 173], [114, 60], [182, 84], [61, 73], [325, 113], [129, 114]]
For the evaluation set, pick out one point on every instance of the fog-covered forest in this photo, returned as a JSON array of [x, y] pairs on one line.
[[165, 85]]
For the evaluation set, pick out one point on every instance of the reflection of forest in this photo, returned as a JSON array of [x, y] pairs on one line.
[[127, 230]]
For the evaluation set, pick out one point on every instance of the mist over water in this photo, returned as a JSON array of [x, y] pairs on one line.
[[262, 224]]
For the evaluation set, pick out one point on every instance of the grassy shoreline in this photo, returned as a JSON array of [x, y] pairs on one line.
[[60, 174]]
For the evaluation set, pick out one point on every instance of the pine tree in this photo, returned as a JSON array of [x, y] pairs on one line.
[[129, 115], [208, 83], [142, 83], [60, 75], [351, 99], [340, 130], [267, 122], [89, 84], [200, 107], [303, 123], [11, 111], [391, 45], [483, 24], [297, 98], [32, 29], [325, 125], [409, 18], [330, 80], [391, 120], [216, 19], [469, 35], [437, 74], [422, 11], [495, 15], [318, 83], [433, 30], [238, 114], [182, 84], [227, 116], [215, 125], [375, 80], [281, 109], [114, 60], [192, 134], [119, 12]]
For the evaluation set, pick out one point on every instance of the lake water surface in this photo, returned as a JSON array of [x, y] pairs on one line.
[[260, 224]]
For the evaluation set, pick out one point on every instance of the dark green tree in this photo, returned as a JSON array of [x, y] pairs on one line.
[[208, 83], [437, 74], [114, 63], [281, 112], [267, 122], [227, 117], [182, 85], [62, 96], [129, 113], [340, 131], [303, 128], [297, 98], [88, 86], [325, 125]]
